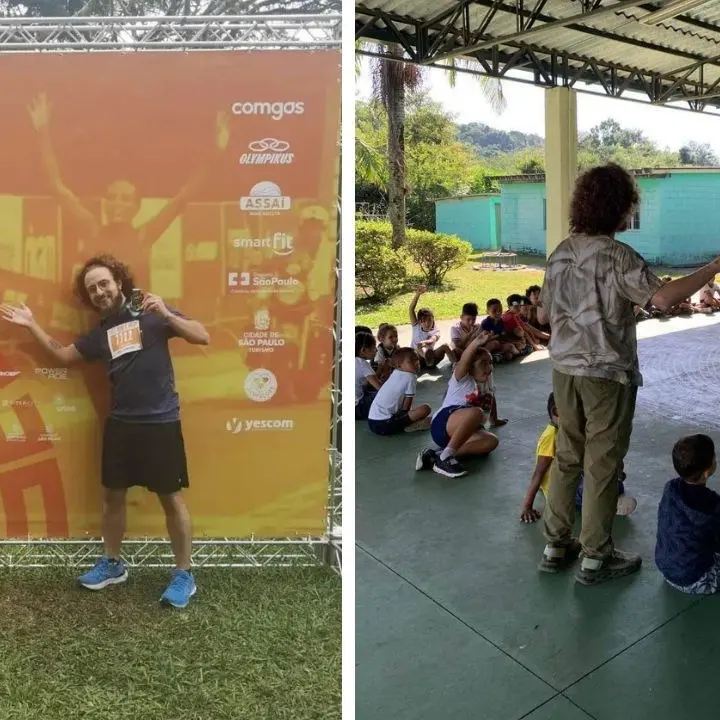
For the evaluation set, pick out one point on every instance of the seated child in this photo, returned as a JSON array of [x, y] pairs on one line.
[[687, 552], [494, 325], [367, 382], [540, 479], [461, 333], [387, 345], [526, 338], [425, 335], [391, 411], [531, 310], [708, 295], [458, 428]]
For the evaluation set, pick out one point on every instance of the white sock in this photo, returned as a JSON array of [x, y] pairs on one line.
[[446, 453]]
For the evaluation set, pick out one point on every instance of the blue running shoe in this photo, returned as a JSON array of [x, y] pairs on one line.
[[106, 572], [181, 588]]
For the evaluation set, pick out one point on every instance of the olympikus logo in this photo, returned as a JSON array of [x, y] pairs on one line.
[[267, 151]]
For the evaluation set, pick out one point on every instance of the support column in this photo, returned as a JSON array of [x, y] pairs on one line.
[[560, 161]]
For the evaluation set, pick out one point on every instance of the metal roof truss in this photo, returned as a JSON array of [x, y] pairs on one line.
[[450, 33]]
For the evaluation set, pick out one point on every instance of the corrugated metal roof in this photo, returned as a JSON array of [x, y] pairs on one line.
[[662, 48]]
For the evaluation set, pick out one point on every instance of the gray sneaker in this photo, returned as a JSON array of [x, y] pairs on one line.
[[594, 571], [557, 556]]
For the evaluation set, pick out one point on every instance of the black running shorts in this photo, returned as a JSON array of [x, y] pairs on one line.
[[151, 455]]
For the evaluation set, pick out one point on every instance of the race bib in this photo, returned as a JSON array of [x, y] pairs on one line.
[[125, 338]]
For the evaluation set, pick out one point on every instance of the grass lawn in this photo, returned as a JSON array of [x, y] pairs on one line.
[[253, 645], [463, 285]]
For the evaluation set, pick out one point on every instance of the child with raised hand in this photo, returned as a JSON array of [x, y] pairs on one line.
[[367, 382], [540, 480], [387, 345], [425, 334], [391, 411], [687, 552], [458, 428]]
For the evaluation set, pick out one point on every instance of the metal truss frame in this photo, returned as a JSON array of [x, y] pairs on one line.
[[249, 32], [450, 34], [302, 32]]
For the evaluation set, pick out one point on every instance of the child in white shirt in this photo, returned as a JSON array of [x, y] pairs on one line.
[[391, 411], [458, 428], [425, 334], [366, 381]]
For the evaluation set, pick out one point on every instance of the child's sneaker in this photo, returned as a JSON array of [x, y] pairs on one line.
[[559, 556], [423, 424], [181, 588], [449, 467], [105, 572], [594, 571], [626, 505], [425, 459]]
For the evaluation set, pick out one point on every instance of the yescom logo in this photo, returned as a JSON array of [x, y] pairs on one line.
[[238, 425]]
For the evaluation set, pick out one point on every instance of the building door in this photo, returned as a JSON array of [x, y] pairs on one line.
[[497, 241]]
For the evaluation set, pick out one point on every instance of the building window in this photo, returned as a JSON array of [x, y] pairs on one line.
[[544, 214], [635, 221]]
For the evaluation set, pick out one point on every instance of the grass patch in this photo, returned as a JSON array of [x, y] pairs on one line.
[[467, 285], [253, 645], [461, 286]]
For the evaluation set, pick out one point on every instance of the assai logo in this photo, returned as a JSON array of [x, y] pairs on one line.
[[238, 425], [268, 151], [279, 243], [61, 405], [265, 198], [276, 110], [260, 385], [241, 282]]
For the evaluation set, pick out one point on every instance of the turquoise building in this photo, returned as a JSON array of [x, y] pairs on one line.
[[678, 222]]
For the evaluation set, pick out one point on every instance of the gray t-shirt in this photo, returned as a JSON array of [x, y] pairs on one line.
[[137, 357], [591, 284]]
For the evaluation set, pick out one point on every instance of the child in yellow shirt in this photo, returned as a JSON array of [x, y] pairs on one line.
[[540, 479]]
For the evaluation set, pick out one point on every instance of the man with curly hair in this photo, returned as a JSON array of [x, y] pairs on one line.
[[142, 441], [592, 281]]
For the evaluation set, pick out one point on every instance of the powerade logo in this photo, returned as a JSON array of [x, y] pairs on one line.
[[274, 110]]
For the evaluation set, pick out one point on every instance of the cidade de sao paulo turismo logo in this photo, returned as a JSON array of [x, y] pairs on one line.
[[262, 339], [280, 243], [275, 110], [268, 151]]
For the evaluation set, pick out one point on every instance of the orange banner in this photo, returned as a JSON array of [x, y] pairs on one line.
[[214, 175]]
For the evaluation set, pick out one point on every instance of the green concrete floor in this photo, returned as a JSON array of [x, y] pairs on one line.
[[454, 620]]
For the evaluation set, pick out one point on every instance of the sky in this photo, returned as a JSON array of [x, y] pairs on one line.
[[525, 110]]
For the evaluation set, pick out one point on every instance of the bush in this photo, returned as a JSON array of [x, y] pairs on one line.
[[379, 270], [437, 254]]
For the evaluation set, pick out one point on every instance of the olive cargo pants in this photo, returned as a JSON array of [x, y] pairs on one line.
[[594, 427]]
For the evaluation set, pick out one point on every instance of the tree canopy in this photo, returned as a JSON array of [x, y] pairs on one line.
[[444, 159]]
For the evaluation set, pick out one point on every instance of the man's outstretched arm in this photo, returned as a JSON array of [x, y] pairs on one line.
[[62, 354]]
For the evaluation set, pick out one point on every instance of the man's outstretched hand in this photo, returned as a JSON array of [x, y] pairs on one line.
[[18, 315], [154, 304]]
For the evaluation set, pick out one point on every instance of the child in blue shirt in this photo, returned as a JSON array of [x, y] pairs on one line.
[[687, 552]]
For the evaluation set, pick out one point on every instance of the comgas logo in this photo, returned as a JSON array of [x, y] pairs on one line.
[[276, 110]]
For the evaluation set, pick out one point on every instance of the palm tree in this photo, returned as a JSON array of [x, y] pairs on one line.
[[392, 79]]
